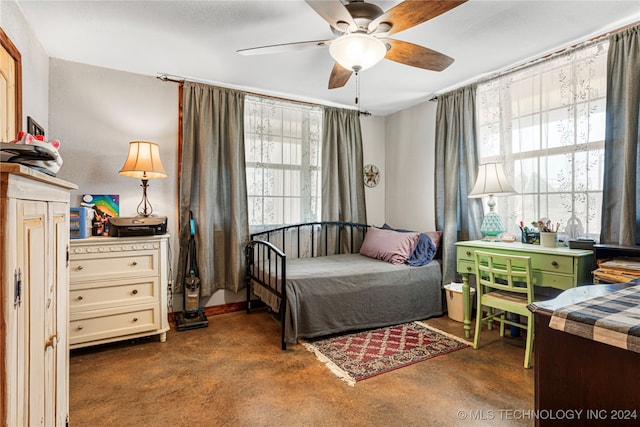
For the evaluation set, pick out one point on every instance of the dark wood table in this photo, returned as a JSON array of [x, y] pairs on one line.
[[579, 381]]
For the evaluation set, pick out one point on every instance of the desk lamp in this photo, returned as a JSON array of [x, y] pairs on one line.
[[143, 162], [491, 182]]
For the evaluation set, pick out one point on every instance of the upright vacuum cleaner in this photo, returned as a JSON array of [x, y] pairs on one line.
[[192, 317]]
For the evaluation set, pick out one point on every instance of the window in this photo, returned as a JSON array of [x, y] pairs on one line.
[[546, 124], [283, 160]]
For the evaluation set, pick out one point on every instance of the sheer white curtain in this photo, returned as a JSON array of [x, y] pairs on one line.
[[546, 124], [284, 162]]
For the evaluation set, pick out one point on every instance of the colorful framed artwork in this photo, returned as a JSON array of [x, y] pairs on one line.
[[105, 205]]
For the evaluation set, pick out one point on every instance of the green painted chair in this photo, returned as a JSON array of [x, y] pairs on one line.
[[504, 285]]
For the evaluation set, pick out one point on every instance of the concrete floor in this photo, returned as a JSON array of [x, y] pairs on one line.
[[233, 373]]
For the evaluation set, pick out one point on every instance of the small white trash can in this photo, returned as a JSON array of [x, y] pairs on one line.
[[455, 303]]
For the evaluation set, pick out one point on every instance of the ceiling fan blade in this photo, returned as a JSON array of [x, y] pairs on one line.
[[416, 56], [284, 47], [410, 13], [334, 12], [339, 76]]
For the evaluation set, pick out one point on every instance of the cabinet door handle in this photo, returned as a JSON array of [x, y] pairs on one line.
[[134, 292], [79, 268], [51, 342], [555, 264]]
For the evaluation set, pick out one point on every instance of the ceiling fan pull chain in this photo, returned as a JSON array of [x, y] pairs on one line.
[[357, 89]]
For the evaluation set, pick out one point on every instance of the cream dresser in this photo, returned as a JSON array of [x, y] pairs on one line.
[[118, 289]]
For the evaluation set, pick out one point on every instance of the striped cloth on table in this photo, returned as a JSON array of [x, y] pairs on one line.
[[612, 319]]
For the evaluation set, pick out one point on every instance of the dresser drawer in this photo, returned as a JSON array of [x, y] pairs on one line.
[[466, 266], [552, 263], [103, 324], [544, 262], [112, 293], [548, 280], [113, 265]]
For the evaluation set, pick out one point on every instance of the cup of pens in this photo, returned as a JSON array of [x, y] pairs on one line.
[[541, 233], [531, 237], [548, 239]]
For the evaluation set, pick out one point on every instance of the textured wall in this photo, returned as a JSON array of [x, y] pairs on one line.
[[410, 167]]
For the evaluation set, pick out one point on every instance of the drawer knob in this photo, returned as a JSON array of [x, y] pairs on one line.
[[79, 267], [134, 263], [555, 264], [79, 298], [134, 292], [79, 327], [468, 253], [135, 319], [468, 268]]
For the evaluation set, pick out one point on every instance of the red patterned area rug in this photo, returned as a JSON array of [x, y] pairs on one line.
[[361, 355]]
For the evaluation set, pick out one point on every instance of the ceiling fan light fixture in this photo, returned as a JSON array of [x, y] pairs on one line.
[[357, 51]]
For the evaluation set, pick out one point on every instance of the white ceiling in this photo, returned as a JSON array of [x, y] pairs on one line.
[[198, 40]]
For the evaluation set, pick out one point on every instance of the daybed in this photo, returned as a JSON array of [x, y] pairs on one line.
[[330, 286]]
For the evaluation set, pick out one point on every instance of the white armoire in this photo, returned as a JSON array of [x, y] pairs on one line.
[[34, 242]]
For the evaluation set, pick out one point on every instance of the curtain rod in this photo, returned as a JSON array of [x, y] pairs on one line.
[[178, 79], [545, 58]]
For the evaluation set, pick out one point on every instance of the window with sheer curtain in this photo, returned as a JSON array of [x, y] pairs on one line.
[[283, 162], [546, 124]]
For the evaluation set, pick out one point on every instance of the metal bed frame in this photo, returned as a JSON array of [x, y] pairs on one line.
[[260, 255]]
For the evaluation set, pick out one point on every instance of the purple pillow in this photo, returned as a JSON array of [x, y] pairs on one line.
[[388, 245], [426, 248]]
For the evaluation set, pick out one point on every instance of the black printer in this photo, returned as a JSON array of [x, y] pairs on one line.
[[137, 226]]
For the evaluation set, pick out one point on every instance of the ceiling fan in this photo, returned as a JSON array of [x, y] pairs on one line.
[[362, 29]]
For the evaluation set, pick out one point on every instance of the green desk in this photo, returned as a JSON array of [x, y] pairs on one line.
[[559, 268]]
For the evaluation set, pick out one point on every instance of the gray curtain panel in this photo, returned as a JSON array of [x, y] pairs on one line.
[[457, 216], [213, 185], [342, 176], [342, 179], [620, 197]]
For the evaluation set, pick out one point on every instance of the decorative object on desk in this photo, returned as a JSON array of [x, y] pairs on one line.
[[574, 229], [548, 239], [361, 355], [508, 238], [105, 205], [491, 182], [582, 244], [531, 237], [80, 219], [143, 162], [548, 233]]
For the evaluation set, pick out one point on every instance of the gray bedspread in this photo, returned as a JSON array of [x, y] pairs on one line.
[[338, 293]]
